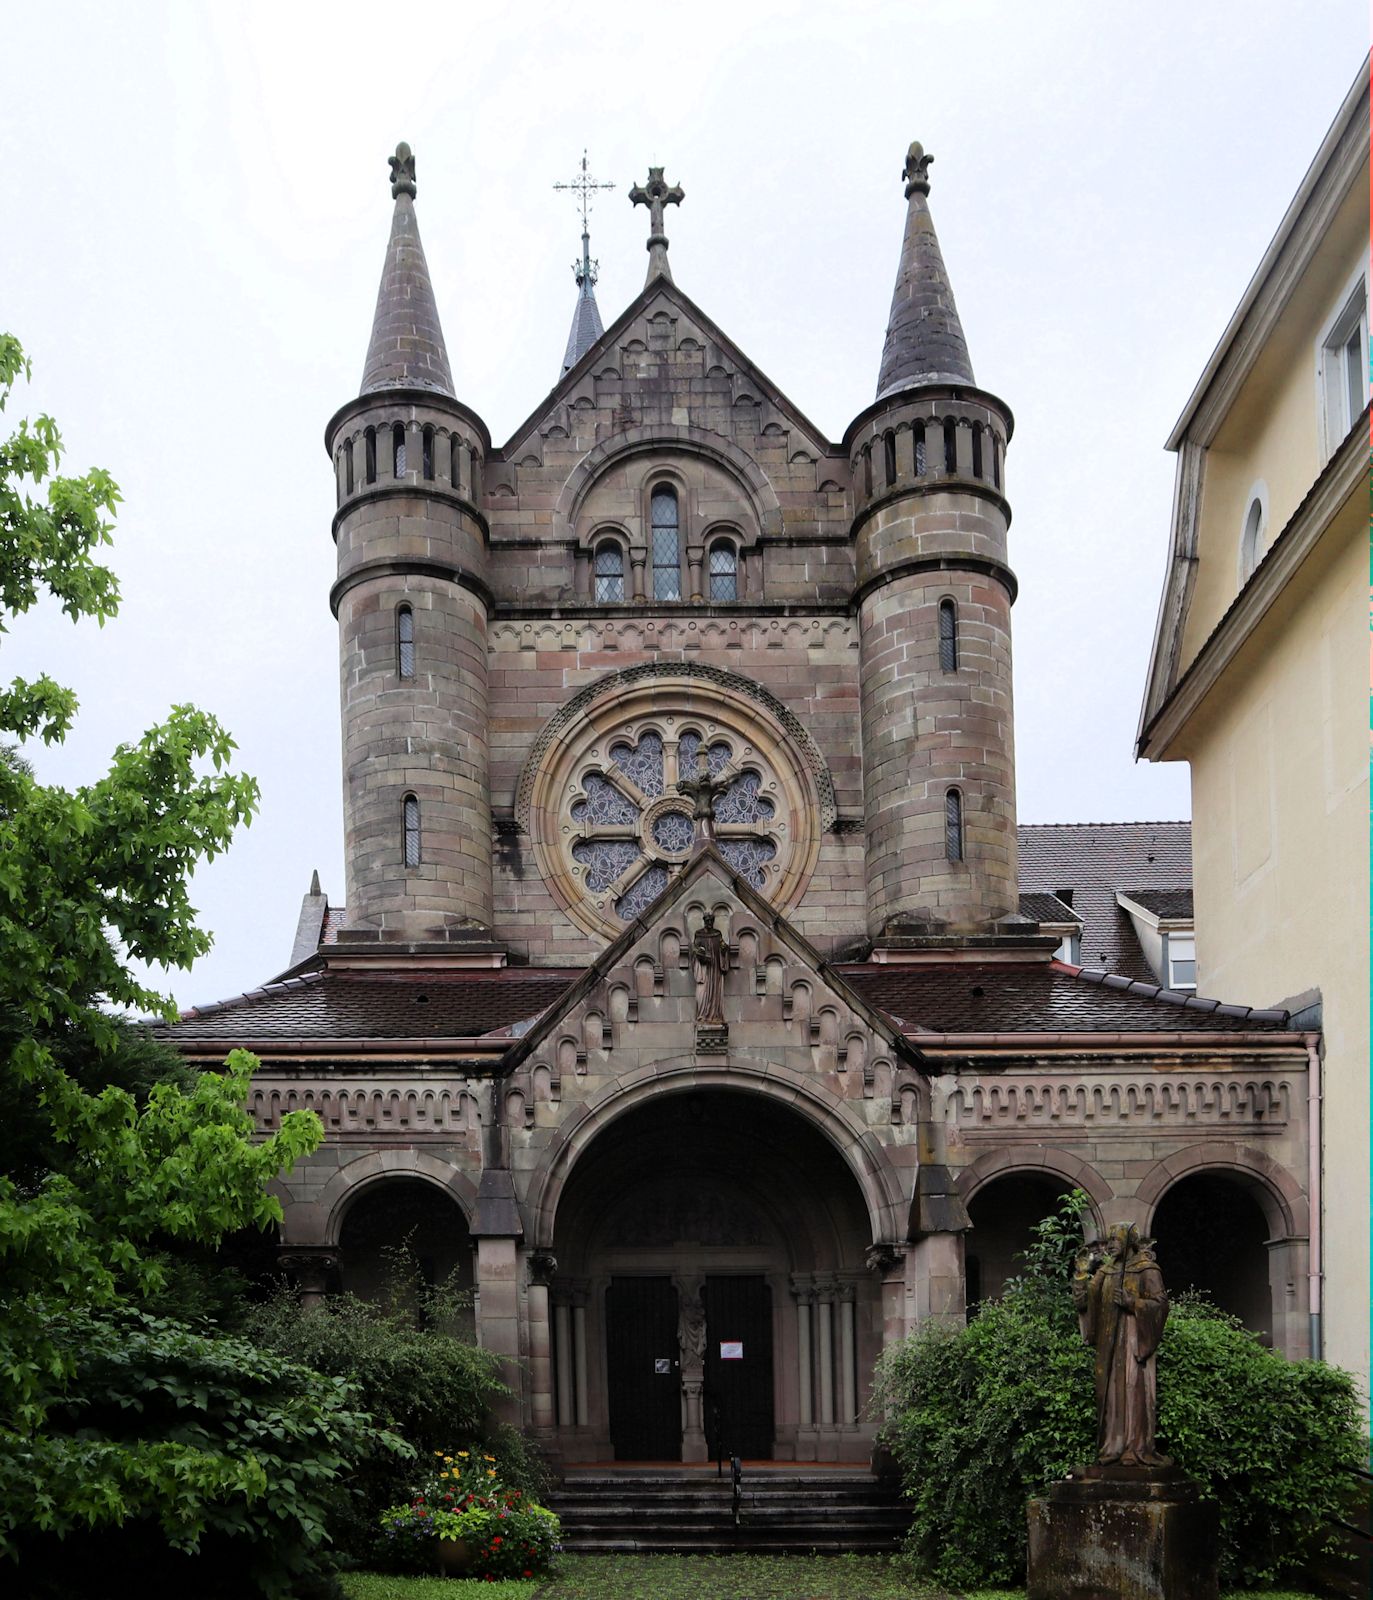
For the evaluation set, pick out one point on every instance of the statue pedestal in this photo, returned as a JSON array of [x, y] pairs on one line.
[[1124, 1533]]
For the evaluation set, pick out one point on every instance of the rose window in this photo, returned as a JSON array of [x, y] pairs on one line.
[[629, 831]]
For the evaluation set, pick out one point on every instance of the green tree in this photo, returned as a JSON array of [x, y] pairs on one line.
[[109, 1165]]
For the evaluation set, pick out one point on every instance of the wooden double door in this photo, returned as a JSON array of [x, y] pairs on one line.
[[644, 1369]]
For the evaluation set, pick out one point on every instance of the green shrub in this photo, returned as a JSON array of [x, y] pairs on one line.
[[412, 1371], [985, 1416], [203, 1463]]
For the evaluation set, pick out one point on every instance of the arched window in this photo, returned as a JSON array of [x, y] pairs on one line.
[[948, 636], [867, 471], [405, 641], [428, 442], [918, 434], [667, 544], [370, 445], [953, 825], [977, 452], [996, 462], [610, 571], [348, 467], [724, 571], [950, 445], [411, 811], [455, 460], [889, 456], [398, 449]]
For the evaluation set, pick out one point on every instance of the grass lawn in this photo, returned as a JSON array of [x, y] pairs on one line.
[[697, 1578]]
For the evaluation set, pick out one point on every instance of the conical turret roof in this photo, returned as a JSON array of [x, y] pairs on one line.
[[406, 349], [925, 342]]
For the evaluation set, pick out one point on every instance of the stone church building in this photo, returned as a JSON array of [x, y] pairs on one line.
[[684, 999]]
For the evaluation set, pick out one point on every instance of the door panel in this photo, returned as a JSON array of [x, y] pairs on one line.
[[738, 1397], [641, 1340]]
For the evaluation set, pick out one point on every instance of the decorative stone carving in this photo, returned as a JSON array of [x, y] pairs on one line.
[[1258, 1102], [710, 962]]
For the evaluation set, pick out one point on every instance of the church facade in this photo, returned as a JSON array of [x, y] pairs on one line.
[[684, 1000]]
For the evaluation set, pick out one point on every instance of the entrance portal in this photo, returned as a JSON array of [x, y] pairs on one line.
[[738, 1393], [702, 1219], [643, 1367]]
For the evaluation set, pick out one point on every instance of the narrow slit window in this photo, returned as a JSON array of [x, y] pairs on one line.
[[953, 825], [370, 443], [918, 434], [724, 571], [405, 641], [348, 467], [412, 831], [996, 462], [948, 636], [610, 572], [398, 450], [427, 439], [950, 445], [667, 545], [889, 456], [977, 452], [454, 460], [867, 471]]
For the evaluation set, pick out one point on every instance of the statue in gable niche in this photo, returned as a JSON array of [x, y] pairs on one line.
[[710, 958]]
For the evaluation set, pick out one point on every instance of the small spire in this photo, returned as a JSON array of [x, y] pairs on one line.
[[924, 342], [655, 196], [406, 350], [586, 319]]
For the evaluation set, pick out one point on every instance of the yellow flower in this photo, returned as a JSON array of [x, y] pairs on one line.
[[488, 1458], [491, 1473], [462, 1455]]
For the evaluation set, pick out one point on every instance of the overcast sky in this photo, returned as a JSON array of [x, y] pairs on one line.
[[196, 204]]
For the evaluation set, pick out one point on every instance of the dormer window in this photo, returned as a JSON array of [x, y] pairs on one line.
[[1182, 960], [609, 572], [667, 544]]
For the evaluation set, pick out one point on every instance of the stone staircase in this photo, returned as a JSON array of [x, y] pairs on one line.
[[782, 1510]]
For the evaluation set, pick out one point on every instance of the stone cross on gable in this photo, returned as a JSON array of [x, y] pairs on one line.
[[655, 195], [701, 790]]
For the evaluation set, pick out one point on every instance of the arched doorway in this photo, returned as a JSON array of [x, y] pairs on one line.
[[1212, 1235], [404, 1228], [711, 1291], [1003, 1213]]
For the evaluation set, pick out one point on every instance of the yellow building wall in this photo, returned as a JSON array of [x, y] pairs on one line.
[[1272, 429], [1279, 757]]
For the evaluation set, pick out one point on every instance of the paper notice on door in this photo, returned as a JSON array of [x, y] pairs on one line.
[[731, 1350], [661, 1364]]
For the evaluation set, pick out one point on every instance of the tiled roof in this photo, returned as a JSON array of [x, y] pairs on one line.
[[346, 1005], [1041, 997], [1167, 903], [1047, 908], [1092, 860]]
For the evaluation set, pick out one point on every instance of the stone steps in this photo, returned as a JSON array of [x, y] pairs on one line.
[[780, 1512]]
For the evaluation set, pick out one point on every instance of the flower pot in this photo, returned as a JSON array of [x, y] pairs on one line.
[[455, 1557]]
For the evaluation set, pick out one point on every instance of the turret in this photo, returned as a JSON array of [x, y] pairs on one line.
[[412, 606], [934, 595]]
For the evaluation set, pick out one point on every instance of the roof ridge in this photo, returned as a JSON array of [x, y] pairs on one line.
[[1144, 822], [1154, 991], [274, 987]]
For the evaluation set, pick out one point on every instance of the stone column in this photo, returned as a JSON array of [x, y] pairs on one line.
[[542, 1265], [824, 1308], [695, 560], [848, 1371], [637, 560], [804, 1358], [309, 1267], [579, 1357], [689, 1302], [563, 1345]]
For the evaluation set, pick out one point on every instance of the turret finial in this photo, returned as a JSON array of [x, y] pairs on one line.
[[402, 171], [916, 172], [655, 195]]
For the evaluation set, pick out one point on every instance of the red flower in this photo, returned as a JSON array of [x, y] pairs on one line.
[[528, 1572], [495, 1541]]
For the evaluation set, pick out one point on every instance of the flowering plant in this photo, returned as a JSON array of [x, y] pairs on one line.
[[461, 1496]]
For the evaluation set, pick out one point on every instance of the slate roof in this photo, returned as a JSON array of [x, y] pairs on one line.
[[406, 350], [349, 1005], [1047, 908], [1092, 860], [586, 325], [1041, 997], [1166, 903]]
